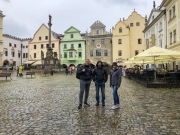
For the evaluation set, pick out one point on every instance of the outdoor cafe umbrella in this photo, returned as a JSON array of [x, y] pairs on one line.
[[156, 53]]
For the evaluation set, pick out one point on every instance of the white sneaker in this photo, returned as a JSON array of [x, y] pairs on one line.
[[117, 106], [113, 107]]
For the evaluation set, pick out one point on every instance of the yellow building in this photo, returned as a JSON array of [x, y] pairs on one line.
[[173, 25], [128, 38], [1, 37], [40, 42]]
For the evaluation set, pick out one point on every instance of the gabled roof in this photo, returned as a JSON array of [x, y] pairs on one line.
[[55, 35], [100, 25], [152, 11], [71, 28]]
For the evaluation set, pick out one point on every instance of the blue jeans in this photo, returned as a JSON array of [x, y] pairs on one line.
[[115, 94], [98, 86]]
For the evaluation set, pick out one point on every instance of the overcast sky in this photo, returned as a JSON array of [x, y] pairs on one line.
[[24, 17]]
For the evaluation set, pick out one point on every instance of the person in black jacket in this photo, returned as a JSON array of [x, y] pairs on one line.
[[85, 73], [100, 77]]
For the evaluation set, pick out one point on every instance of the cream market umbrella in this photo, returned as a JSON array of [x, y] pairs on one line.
[[156, 53]]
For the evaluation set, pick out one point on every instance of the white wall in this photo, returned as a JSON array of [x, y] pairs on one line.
[[16, 58]]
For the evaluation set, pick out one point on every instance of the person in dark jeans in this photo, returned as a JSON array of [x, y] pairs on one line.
[[100, 77], [115, 82], [17, 70], [85, 73]]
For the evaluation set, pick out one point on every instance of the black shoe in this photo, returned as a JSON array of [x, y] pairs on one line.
[[103, 104], [86, 104], [80, 106], [97, 104]]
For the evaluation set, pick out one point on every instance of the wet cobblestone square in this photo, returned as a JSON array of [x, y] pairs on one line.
[[48, 106]]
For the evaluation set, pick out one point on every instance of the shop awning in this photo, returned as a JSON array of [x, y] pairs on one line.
[[39, 62], [28, 62]]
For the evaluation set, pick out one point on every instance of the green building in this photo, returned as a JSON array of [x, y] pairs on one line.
[[72, 48]]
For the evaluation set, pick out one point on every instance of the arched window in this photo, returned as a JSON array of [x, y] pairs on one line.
[[120, 30], [97, 32]]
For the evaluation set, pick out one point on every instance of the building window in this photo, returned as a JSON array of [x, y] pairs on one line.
[[105, 52], [79, 45], [39, 38], [72, 35], [10, 44], [170, 14], [174, 11], [102, 41], [14, 45], [53, 45], [139, 41], [160, 43], [79, 54], [26, 55], [13, 54], [70, 54], [153, 18], [72, 46], [6, 53], [98, 52], [136, 52], [19, 55], [34, 46], [119, 53], [34, 55], [119, 41], [65, 46], [131, 24], [138, 24], [174, 36], [160, 26], [91, 53], [120, 30], [47, 45], [46, 37], [26, 46], [65, 54], [92, 42], [42, 46], [97, 32], [171, 38]]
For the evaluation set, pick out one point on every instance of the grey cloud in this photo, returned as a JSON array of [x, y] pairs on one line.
[[6, 0], [130, 3], [14, 28]]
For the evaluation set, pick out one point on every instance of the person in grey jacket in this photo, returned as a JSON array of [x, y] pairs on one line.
[[115, 82]]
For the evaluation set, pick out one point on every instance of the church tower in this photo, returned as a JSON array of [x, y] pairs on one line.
[[1, 36]]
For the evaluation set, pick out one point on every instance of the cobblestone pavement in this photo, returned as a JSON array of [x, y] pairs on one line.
[[48, 105]]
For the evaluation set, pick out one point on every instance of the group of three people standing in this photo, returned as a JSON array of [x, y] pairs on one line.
[[100, 77]]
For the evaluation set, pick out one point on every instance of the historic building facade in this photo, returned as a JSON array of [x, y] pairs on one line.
[[128, 38], [15, 50], [1, 37], [155, 29], [173, 25], [99, 44], [40, 43], [72, 48]]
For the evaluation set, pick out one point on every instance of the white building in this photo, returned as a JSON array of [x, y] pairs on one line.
[[15, 50], [156, 29]]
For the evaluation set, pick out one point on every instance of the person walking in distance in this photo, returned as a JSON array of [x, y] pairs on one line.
[[17, 70], [115, 82], [85, 74], [100, 77]]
